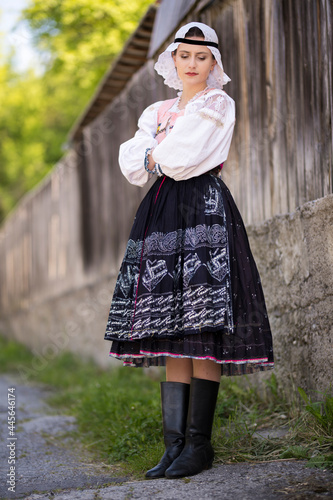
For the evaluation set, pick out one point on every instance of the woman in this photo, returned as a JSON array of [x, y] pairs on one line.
[[188, 295]]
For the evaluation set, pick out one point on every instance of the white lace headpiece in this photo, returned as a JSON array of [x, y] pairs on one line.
[[165, 65]]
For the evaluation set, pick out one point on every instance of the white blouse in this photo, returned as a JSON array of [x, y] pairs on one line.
[[199, 141]]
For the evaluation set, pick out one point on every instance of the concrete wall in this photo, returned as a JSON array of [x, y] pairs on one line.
[[295, 259]]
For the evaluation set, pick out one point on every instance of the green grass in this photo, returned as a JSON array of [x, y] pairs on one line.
[[119, 416], [305, 437]]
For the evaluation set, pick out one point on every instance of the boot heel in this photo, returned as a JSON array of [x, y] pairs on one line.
[[209, 465]]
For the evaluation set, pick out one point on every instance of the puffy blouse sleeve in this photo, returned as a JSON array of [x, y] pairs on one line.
[[200, 139], [131, 152]]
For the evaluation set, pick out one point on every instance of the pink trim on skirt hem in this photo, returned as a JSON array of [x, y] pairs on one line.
[[145, 354]]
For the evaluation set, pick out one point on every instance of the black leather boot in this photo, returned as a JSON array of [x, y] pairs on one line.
[[174, 398], [198, 453]]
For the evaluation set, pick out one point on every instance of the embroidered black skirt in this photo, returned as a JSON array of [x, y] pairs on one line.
[[188, 285]]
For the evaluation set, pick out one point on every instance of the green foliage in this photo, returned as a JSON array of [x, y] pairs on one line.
[[321, 461], [122, 414], [320, 419], [82, 36], [12, 354], [23, 154], [295, 452], [322, 411], [306, 434], [77, 41]]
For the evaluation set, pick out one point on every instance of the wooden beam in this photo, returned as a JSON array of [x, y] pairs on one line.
[[136, 61], [144, 33], [113, 84], [136, 52], [121, 68], [140, 43]]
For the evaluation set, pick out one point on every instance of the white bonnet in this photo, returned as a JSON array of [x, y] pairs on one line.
[[165, 64]]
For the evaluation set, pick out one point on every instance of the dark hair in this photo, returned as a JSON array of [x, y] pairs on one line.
[[194, 31]]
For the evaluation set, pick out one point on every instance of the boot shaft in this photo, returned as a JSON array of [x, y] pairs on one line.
[[174, 399], [202, 403]]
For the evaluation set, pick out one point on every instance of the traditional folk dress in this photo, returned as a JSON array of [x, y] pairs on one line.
[[188, 285]]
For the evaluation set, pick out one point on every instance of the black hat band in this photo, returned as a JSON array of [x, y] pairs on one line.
[[196, 42]]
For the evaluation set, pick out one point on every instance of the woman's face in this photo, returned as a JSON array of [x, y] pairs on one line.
[[193, 63]]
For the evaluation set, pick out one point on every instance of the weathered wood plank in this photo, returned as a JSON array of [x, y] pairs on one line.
[[326, 100], [308, 105], [243, 108], [291, 96]]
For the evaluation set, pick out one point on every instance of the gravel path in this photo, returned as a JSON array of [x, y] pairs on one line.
[[48, 464], [46, 458]]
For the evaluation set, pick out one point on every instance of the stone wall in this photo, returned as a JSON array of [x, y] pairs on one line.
[[294, 254]]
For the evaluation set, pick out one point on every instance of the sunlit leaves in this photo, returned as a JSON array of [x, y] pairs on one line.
[[81, 32], [76, 40]]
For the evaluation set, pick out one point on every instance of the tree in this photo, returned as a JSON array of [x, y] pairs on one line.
[[77, 41]]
